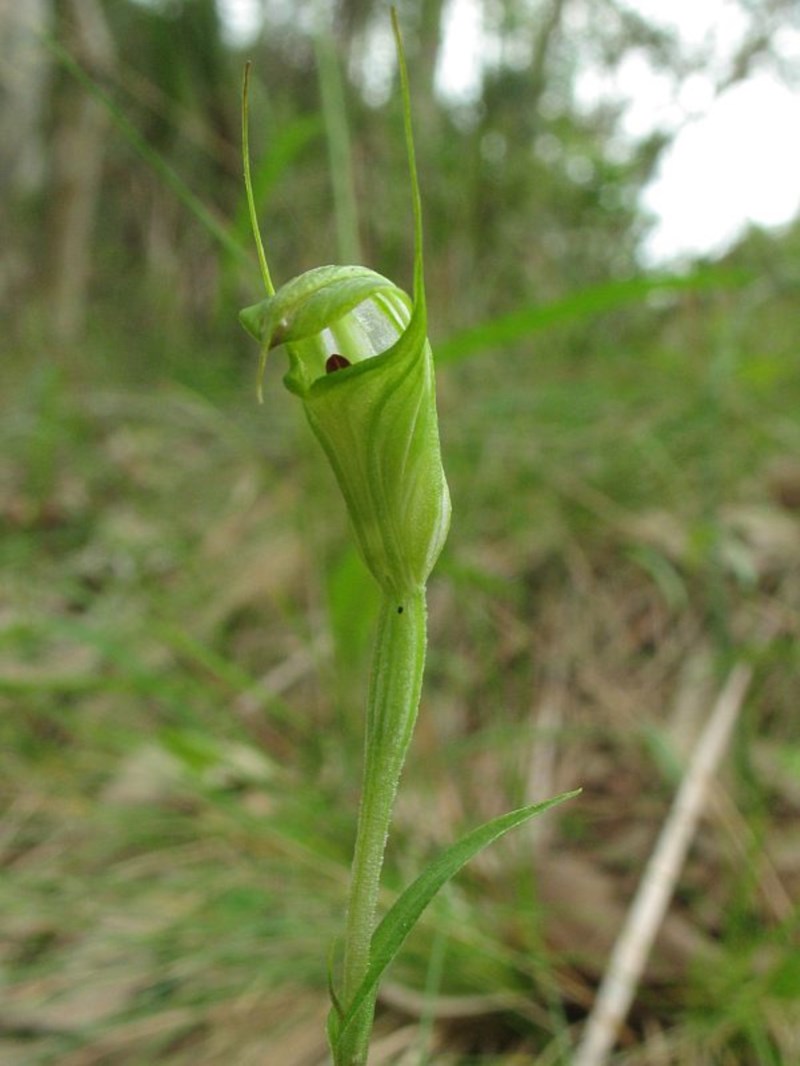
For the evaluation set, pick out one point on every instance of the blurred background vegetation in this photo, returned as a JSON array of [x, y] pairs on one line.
[[186, 629]]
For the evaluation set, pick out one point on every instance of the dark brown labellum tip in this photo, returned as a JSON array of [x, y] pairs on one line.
[[336, 362]]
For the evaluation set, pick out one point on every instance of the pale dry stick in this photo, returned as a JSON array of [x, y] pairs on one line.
[[276, 681], [542, 768], [633, 944]]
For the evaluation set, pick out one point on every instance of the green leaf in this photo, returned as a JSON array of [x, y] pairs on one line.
[[404, 914], [506, 329]]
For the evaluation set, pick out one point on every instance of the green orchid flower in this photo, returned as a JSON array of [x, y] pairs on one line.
[[360, 361], [362, 365]]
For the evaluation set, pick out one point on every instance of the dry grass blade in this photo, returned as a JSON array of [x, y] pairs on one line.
[[633, 945]]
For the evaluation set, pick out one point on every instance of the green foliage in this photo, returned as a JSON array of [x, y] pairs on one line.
[[398, 922]]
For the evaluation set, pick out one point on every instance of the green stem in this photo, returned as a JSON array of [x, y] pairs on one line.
[[391, 713]]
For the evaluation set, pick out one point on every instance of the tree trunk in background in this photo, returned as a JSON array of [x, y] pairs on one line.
[[548, 29], [23, 75], [24, 70], [78, 141]]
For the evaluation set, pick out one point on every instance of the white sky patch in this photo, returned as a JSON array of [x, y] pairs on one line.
[[241, 21], [375, 66], [648, 94], [714, 26], [458, 74], [737, 160], [738, 164]]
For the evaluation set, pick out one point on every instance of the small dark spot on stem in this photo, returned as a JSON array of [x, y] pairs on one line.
[[336, 362], [399, 610]]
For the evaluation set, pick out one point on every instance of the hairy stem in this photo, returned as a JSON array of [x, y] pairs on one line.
[[391, 713]]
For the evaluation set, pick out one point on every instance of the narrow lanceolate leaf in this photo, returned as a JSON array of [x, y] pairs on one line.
[[403, 915], [508, 329]]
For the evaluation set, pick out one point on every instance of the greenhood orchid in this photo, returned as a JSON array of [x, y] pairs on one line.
[[360, 361], [362, 365]]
